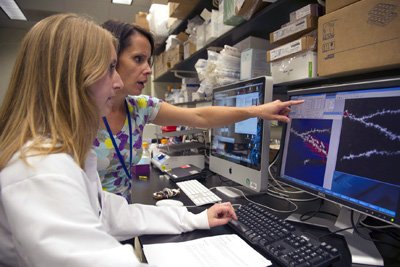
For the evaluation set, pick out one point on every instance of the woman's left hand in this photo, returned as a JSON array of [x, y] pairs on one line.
[[220, 214]]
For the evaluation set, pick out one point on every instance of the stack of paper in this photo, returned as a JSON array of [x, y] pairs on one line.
[[214, 251]]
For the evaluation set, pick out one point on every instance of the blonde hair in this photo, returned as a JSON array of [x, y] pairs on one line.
[[48, 99]]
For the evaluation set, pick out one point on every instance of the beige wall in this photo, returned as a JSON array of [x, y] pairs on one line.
[[10, 40]]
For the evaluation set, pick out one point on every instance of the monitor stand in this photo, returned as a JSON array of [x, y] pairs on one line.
[[231, 192], [362, 251]]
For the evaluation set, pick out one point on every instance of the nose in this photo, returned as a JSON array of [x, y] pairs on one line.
[[117, 83], [148, 69]]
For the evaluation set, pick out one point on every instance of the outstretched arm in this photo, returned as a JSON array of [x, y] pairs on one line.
[[208, 117]]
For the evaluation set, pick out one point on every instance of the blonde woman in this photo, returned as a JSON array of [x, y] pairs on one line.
[[53, 211]]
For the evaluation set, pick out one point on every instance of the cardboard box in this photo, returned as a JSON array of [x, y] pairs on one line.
[[358, 38], [189, 48], [174, 56], [253, 64], [310, 9], [308, 42], [141, 20], [160, 66], [294, 30], [250, 7], [299, 67], [182, 9], [332, 5]]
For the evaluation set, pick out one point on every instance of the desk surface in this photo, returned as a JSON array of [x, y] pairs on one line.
[[143, 192]]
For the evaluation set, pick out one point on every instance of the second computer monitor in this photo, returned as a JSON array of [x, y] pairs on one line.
[[239, 151]]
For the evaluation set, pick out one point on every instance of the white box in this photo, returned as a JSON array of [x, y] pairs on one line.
[[200, 36], [253, 64], [300, 66]]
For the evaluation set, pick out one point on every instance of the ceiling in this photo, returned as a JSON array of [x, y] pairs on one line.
[[99, 10]]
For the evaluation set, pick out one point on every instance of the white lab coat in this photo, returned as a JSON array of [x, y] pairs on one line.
[[50, 215]]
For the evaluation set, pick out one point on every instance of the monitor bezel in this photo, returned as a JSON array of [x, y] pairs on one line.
[[336, 88], [236, 172]]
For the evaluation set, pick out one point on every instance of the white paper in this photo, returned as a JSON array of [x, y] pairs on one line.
[[214, 251]]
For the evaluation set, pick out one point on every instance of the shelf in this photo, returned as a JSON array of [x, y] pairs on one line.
[[180, 133], [202, 4], [339, 79], [265, 21], [174, 148]]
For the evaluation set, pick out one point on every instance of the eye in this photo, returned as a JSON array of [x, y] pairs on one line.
[[112, 67], [139, 59]]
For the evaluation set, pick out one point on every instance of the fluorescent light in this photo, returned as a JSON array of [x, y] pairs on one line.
[[12, 10], [122, 2]]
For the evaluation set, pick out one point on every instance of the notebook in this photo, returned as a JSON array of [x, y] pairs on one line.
[[184, 172]]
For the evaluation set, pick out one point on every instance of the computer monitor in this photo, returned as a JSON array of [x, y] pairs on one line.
[[343, 144], [239, 152]]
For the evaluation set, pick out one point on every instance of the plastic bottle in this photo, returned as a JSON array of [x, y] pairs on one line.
[[142, 168]]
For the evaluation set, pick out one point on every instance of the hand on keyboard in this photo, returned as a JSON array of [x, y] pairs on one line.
[[220, 214]]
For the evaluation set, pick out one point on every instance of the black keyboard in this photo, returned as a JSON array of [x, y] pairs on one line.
[[280, 240]]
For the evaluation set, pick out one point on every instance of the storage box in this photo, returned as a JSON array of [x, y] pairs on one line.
[[160, 66], [201, 36], [188, 49], [361, 37], [230, 15], [332, 5], [182, 9], [222, 27], [250, 7], [299, 67], [308, 42], [294, 30], [253, 64], [141, 20], [174, 56], [310, 9], [252, 42]]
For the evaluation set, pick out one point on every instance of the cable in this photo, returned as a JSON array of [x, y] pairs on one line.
[[283, 190], [378, 226], [315, 212], [335, 232], [256, 203], [368, 237]]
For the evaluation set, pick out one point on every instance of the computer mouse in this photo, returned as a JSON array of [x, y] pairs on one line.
[[169, 202]]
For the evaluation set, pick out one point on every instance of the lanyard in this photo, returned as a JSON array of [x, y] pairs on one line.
[[121, 159]]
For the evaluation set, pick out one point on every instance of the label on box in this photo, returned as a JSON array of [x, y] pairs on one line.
[[302, 12], [284, 50], [290, 29]]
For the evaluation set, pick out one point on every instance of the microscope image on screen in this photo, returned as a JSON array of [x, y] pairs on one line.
[[370, 138], [308, 149], [367, 166]]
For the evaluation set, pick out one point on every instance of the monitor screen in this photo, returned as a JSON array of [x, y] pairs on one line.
[[343, 144], [240, 151]]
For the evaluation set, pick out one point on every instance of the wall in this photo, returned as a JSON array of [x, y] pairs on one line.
[[10, 40]]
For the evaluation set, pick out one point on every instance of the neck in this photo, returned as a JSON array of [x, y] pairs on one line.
[[118, 105]]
